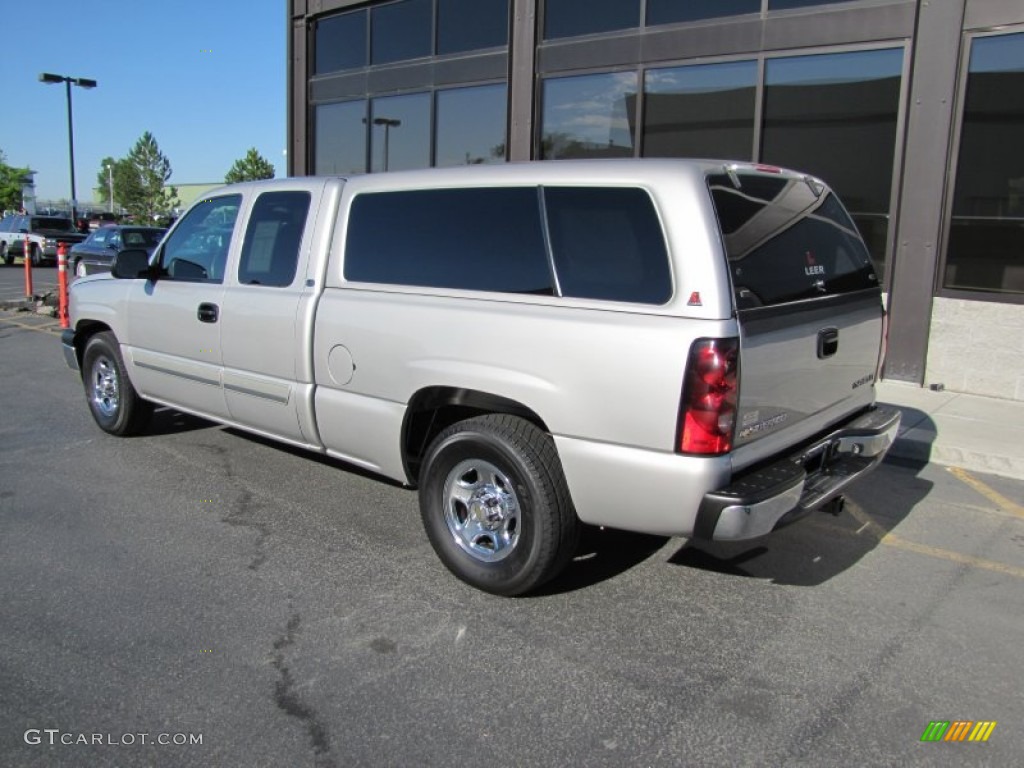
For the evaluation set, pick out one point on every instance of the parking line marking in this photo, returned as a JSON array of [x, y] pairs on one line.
[[989, 493], [38, 328], [892, 540]]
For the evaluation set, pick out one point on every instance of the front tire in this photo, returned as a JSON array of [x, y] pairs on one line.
[[115, 405], [36, 255], [7, 258], [495, 504]]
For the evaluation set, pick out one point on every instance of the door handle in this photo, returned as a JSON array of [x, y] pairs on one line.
[[828, 342], [207, 313]]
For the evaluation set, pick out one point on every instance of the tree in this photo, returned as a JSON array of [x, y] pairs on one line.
[[252, 167], [140, 180], [11, 181], [123, 178]]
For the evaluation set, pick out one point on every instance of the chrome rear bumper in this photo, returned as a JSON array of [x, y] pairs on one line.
[[757, 502]]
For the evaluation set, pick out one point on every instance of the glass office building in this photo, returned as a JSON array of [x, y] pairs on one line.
[[913, 111]]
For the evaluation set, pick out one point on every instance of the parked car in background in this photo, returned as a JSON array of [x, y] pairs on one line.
[[101, 219], [97, 251], [41, 233]]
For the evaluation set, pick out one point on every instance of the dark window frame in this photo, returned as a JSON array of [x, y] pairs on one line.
[[556, 289], [354, 265], [509, 22], [432, 37], [314, 42], [433, 91], [243, 275], [959, 104], [761, 58], [162, 252], [542, 25]]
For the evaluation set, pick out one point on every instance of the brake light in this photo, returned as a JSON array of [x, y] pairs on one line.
[[707, 413]]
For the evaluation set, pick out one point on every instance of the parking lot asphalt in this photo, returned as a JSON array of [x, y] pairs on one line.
[[288, 611]]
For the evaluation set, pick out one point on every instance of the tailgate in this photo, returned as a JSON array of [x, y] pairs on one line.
[[808, 303]]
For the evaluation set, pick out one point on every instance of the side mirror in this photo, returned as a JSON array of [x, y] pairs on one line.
[[131, 264]]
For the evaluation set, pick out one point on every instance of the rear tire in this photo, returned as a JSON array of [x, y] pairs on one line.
[[115, 405], [495, 504]]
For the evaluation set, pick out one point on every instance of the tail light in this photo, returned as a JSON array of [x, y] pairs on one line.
[[707, 414]]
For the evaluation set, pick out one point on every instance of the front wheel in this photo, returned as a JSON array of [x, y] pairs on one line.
[[495, 504], [113, 401], [80, 269], [5, 255], [36, 255]]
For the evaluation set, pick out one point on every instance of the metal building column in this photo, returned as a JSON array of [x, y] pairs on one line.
[[298, 89], [930, 117], [522, 74]]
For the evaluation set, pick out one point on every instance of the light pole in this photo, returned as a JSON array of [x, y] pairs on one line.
[[388, 123], [81, 82], [110, 186]]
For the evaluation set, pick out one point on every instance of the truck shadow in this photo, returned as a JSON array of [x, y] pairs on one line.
[[807, 553], [168, 421], [821, 546], [602, 554]]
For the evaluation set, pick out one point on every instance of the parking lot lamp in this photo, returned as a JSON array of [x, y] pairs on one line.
[[110, 187], [81, 82]]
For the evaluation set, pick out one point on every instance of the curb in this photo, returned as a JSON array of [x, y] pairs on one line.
[[925, 450], [39, 304]]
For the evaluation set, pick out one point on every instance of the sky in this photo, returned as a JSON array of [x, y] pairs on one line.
[[205, 77]]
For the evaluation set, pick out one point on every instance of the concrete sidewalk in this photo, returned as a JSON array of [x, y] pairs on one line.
[[983, 434]]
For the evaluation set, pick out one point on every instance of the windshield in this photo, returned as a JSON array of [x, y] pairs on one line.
[[137, 238], [52, 222]]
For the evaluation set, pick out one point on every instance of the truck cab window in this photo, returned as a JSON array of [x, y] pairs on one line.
[[197, 250], [270, 251]]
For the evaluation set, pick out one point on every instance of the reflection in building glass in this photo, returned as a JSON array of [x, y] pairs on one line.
[[340, 42], [400, 31], [568, 18], [340, 133], [700, 111], [986, 230], [589, 116], [670, 11], [469, 25], [835, 115], [471, 125], [400, 135]]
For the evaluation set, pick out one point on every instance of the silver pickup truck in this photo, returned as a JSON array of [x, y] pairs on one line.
[[675, 347]]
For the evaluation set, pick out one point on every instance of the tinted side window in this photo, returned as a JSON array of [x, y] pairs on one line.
[[608, 244], [198, 247], [474, 239], [270, 252], [787, 242]]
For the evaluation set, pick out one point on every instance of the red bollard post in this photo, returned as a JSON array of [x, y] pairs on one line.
[[62, 284], [27, 256]]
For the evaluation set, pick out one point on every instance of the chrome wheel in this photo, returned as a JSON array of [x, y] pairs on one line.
[[80, 269], [104, 386], [481, 510]]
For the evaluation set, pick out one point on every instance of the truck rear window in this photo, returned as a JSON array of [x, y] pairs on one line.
[[786, 240]]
